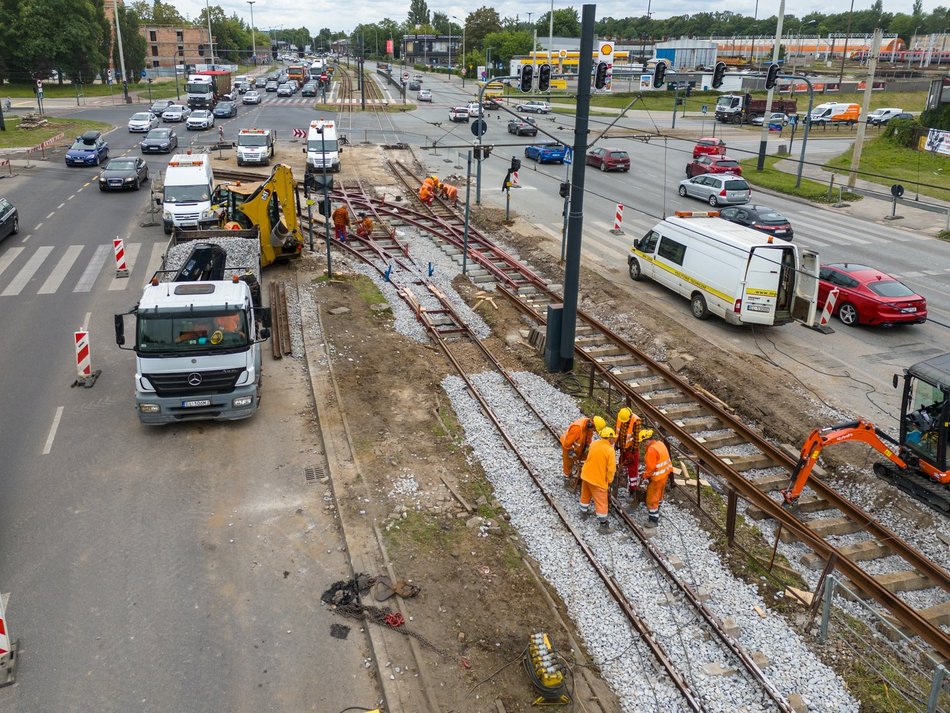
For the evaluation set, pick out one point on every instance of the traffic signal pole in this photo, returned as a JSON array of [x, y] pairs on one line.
[[764, 136]]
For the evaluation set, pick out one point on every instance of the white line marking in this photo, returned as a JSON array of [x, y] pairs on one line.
[[85, 321], [60, 205], [71, 197], [7, 258], [52, 431], [26, 274], [38, 226], [92, 270], [61, 270], [131, 252], [51, 214], [154, 261], [26, 237]]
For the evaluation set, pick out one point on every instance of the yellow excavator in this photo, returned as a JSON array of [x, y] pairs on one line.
[[265, 211]]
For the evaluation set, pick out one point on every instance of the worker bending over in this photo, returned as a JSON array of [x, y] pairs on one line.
[[628, 447], [658, 469], [597, 475], [364, 226], [341, 220], [574, 444], [426, 194], [450, 193]]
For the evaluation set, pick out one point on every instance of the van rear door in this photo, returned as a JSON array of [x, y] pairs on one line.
[[806, 288], [761, 289]]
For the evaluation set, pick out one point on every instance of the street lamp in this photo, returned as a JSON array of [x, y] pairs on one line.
[[253, 37], [755, 19], [463, 48], [800, 27], [118, 37]]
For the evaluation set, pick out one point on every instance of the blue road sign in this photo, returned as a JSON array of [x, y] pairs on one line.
[[705, 108], [144, 74], [569, 156]]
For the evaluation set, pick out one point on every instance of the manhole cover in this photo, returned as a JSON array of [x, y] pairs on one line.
[[313, 473]]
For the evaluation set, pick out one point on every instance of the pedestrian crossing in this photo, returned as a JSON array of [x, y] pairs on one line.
[[79, 269]]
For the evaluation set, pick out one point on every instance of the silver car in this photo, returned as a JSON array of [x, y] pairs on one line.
[[176, 112], [717, 189]]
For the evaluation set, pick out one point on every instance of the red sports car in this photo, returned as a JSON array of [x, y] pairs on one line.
[[868, 296], [713, 164], [709, 146]]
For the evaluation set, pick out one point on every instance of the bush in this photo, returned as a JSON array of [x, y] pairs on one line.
[[903, 132], [938, 118]]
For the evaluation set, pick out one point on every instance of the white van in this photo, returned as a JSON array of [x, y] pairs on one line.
[[835, 113], [323, 148], [728, 270], [883, 115], [186, 199], [255, 146]]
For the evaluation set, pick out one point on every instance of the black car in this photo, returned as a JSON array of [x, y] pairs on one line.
[[9, 220], [125, 173], [160, 105], [309, 90], [522, 127], [415, 86], [225, 109], [161, 140], [260, 82], [759, 217]]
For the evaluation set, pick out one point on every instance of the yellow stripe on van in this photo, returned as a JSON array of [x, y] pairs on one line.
[[683, 276], [760, 293]]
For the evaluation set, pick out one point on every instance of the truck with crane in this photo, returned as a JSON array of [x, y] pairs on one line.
[[917, 457]]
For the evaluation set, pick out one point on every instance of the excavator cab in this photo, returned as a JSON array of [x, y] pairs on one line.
[[925, 411]]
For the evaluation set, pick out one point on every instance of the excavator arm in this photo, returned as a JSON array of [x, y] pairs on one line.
[[863, 431], [280, 233]]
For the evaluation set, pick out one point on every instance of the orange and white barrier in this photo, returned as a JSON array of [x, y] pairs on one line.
[[827, 311], [118, 247], [618, 220], [514, 180], [6, 162], [7, 646], [83, 356]]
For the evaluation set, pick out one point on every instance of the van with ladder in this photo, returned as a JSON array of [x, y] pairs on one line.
[[728, 270]]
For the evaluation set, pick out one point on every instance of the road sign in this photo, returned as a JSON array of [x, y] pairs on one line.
[[299, 133], [143, 74], [569, 155], [405, 76], [39, 84], [479, 127], [705, 108]]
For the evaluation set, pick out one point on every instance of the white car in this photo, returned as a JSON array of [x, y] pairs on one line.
[[201, 119], [535, 106], [424, 95], [776, 117], [143, 121], [458, 113], [474, 110], [252, 97], [176, 112]]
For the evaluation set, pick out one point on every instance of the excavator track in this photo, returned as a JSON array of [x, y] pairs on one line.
[[933, 495]]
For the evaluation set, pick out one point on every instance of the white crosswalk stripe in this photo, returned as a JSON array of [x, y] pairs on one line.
[[7, 258], [93, 269], [59, 272], [26, 273], [154, 261]]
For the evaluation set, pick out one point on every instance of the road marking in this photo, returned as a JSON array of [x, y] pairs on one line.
[[26, 274], [71, 197], [52, 431], [93, 269], [60, 205], [85, 321], [154, 261], [26, 237], [131, 252], [62, 268], [38, 226], [51, 213], [8, 257], [87, 183]]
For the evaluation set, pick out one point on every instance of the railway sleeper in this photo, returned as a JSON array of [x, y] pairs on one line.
[[806, 504], [859, 552], [825, 527], [668, 398], [637, 370], [721, 439], [939, 615], [754, 461], [687, 410], [894, 582], [701, 423]]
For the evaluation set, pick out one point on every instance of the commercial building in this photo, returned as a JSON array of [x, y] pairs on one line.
[[167, 46], [432, 50]]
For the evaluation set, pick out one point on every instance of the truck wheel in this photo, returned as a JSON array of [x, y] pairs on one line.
[[848, 314], [168, 229], [697, 304], [634, 268]]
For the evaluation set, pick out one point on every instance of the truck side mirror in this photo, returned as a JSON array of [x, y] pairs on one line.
[[896, 380], [265, 333], [120, 331], [158, 200], [304, 149]]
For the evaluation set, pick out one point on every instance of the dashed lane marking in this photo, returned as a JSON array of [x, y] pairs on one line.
[[52, 431], [39, 225], [60, 205], [26, 237], [71, 197], [51, 213]]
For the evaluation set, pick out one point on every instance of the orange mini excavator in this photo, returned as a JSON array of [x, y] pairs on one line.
[[918, 459]]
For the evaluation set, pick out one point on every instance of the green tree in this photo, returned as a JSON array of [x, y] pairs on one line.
[[418, 13], [441, 23], [566, 23], [479, 23], [506, 45], [45, 41]]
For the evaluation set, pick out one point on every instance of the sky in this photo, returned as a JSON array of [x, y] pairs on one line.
[[293, 13]]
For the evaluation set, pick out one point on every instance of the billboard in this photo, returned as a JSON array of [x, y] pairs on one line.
[[938, 141]]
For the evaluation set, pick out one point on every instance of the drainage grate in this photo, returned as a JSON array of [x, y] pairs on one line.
[[313, 473]]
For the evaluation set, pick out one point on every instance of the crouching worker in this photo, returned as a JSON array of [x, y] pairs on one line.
[[596, 477], [364, 226]]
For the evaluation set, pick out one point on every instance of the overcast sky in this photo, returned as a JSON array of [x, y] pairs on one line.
[[321, 13]]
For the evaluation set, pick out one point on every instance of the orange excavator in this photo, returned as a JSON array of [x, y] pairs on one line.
[[918, 459]]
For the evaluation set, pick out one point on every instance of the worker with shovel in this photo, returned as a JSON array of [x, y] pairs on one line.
[[574, 445]]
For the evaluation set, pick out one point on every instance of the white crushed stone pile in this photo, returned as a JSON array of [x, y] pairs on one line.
[[241, 253], [792, 667]]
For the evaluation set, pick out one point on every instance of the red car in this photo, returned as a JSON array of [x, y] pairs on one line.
[[713, 164], [609, 159], [709, 147], [868, 296]]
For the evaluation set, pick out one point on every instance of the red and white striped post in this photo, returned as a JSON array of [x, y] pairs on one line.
[[618, 220], [826, 313], [83, 357], [514, 180], [7, 647], [118, 247]]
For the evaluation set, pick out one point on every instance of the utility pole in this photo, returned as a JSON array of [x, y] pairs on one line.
[[254, 39], [118, 39], [551, 40], [764, 137], [844, 53], [865, 103], [210, 38]]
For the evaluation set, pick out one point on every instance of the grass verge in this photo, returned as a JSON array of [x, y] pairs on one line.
[[892, 164], [15, 137], [777, 180]]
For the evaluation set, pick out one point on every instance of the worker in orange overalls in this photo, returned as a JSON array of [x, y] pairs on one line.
[[364, 226], [658, 469], [450, 193], [575, 442], [341, 220], [426, 194], [597, 475], [628, 447]]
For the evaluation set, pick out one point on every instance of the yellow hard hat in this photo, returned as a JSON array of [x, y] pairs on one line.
[[607, 432], [645, 434], [599, 424], [624, 414]]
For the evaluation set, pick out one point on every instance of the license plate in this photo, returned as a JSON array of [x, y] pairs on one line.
[[758, 308], [780, 232], [195, 403], [115, 183], [909, 309]]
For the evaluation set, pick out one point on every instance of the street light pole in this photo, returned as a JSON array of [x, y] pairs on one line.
[[463, 48], [755, 19], [844, 54], [253, 36], [210, 38], [118, 38]]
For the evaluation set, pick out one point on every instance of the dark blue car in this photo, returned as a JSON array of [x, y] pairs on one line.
[[546, 153], [90, 149]]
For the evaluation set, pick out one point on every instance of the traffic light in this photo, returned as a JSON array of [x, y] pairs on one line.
[[565, 190], [324, 208], [201, 50], [659, 75], [719, 74], [482, 152], [689, 89], [544, 77], [515, 164], [527, 75], [771, 76], [600, 75]]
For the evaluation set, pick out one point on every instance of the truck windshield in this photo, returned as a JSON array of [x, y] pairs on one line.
[[252, 140], [725, 102], [318, 146], [186, 194], [198, 88], [191, 332]]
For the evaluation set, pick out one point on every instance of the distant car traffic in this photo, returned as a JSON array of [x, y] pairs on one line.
[[537, 107], [415, 86], [252, 97], [424, 95], [285, 90], [124, 173], [309, 90], [9, 219], [713, 164], [717, 189], [546, 153], [143, 121], [225, 110], [868, 296], [761, 218], [459, 113], [608, 159], [176, 112], [200, 119], [521, 126], [776, 117], [417, 77], [272, 85], [881, 116], [260, 82], [474, 110], [90, 149], [709, 146], [160, 105], [161, 140], [903, 116]]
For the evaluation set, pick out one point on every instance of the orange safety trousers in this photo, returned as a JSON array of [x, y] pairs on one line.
[[598, 495], [655, 492]]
